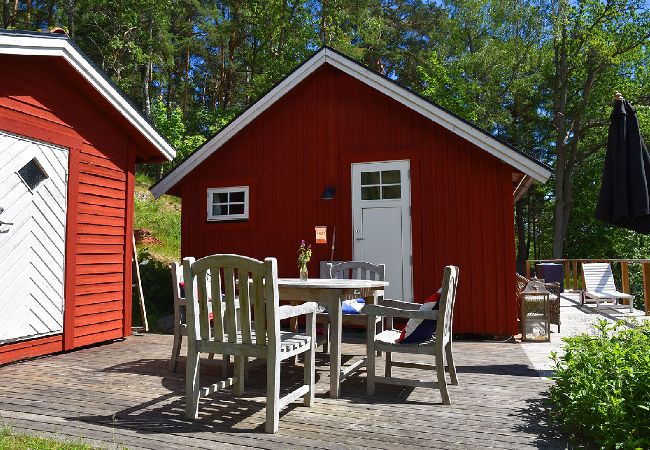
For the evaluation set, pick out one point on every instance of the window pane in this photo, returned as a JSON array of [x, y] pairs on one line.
[[220, 210], [369, 178], [32, 174], [390, 177], [220, 197], [370, 193], [236, 209], [237, 197], [391, 191]]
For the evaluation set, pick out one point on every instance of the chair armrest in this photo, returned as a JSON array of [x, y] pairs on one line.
[[288, 311], [386, 311], [400, 304]]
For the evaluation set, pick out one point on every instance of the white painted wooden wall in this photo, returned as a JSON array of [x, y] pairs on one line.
[[32, 249]]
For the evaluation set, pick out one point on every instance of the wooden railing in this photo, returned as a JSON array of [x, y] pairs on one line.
[[573, 273]]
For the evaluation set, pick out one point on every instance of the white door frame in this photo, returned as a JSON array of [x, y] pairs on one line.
[[404, 202]]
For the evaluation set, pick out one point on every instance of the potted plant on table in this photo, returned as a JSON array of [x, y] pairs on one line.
[[304, 256]]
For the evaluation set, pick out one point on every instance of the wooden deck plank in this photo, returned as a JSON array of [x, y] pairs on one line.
[[123, 394]]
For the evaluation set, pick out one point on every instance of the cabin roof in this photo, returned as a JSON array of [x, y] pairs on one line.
[[27, 43], [326, 55]]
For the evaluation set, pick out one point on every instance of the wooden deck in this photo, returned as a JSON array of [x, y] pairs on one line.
[[122, 394]]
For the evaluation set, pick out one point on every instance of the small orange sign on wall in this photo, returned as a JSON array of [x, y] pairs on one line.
[[321, 234]]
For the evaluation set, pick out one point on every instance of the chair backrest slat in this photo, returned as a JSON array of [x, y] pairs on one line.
[[229, 287], [259, 310], [244, 285], [204, 313], [218, 330], [446, 308], [598, 277]]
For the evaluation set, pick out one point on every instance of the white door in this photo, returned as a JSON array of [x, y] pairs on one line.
[[32, 237], [381, 211]]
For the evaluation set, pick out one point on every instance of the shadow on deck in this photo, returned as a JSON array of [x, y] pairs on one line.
[[124, 394]]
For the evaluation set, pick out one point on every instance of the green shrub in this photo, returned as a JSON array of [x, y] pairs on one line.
[[601, 394]]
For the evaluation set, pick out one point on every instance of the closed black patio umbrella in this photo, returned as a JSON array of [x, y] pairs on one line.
[[624, 199]]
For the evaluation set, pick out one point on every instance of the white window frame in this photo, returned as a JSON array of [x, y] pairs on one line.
[[221, 190]]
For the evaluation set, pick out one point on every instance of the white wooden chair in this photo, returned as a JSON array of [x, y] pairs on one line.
[[439, 346], [599, 286], [257, 283], [180, 325], [351, 270]]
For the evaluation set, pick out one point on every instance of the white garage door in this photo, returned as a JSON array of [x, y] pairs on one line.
[[32, 237]]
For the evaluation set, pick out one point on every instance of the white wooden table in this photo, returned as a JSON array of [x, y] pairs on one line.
[[330, 294]]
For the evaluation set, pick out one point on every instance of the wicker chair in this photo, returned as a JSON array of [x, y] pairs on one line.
[[553, 288]]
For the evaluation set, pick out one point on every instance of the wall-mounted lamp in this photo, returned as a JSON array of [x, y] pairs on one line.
[[328, 193]]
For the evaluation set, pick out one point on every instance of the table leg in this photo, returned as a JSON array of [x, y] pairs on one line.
[[336, 319]]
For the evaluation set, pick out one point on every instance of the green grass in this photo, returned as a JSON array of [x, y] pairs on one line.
[[18, 441], [162, 217]]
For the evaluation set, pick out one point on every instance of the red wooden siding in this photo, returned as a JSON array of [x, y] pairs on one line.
[[461, 195], [42, 99]]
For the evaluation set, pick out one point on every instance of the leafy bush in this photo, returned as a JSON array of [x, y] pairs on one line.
[[601, 394]]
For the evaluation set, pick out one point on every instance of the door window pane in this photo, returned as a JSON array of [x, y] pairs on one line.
[[369, 178], [370, 193], [236, 209], [32, 174], [390, 177], [389, 192]]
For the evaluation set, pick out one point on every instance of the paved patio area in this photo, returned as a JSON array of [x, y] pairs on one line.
[[123, 394]]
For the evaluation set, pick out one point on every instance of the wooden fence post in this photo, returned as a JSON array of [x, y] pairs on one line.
[[567, 276], [625, 277], [575, 275], [646, 287], [528, 269]]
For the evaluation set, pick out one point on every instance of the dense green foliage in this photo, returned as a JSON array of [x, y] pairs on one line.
[[602, 390], [540, 74]]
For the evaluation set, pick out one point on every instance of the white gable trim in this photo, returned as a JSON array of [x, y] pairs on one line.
[[32, 45], [376, 81]]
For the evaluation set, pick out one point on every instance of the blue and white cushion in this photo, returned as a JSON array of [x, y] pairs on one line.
[[417, 331]]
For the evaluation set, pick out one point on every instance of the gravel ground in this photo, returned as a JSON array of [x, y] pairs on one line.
[[576, 319]]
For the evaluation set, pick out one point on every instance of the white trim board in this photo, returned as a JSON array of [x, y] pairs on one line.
[[374, 80], [34, 45]]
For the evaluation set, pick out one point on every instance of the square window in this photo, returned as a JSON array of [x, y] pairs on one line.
[[229, 203], [32, 174]]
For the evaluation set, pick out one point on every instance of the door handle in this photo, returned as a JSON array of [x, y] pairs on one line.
[[360, 239]]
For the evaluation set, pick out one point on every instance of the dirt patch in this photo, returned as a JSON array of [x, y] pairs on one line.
[[144, 236]]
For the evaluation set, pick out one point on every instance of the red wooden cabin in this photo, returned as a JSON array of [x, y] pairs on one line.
[[414, 187], [69, 142]]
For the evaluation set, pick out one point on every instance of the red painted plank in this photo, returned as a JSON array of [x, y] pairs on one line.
[[95, 288], [99, 327], [94, 308], [101, 336], [70, 244], [30, 349], [128, 244]]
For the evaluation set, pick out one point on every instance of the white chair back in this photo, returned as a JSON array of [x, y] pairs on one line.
[[598, 277], [256, 284], [357, 270]]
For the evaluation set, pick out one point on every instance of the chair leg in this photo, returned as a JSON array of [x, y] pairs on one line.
[[450, 363], [326, 332], [389, 364], [240, 375], [225, 361], [272, 395], [176, 350], [442, 382], [211, 356], [370, 353], [310, 360], [380, 327], [192, 386]]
